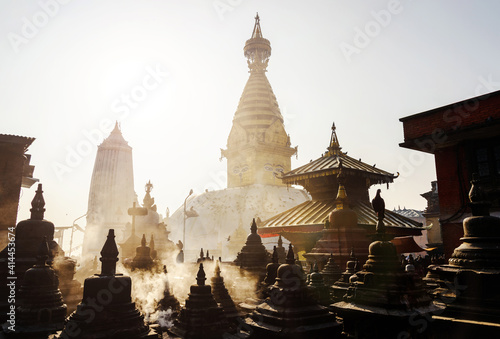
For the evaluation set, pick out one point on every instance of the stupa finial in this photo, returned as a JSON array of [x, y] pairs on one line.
[[290, 257], [143, 240], [257, 49], [280, 241], [253, 228], [37, 205], [341, 199], [201, 276], [275, 255], [109, 255]]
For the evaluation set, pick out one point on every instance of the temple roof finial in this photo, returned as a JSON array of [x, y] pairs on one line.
[[109, 255], [37, 205], [334, 147], [201, 276], [257, 32]]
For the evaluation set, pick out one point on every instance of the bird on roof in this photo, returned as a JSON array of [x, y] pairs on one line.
[[378, 205]]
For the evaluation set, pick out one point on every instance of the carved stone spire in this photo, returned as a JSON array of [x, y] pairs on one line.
[[290, 257], [109, 255], [37, 205]]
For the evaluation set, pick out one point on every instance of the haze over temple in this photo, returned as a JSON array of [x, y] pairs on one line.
[[350, 268]]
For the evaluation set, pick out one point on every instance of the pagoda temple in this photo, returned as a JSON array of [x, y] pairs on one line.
[[303, 224]]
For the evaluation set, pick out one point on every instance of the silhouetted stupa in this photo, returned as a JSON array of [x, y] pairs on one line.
[[107, 310], [221, 294], [201, 317], [253, 257], [290, 312], [40, 309]]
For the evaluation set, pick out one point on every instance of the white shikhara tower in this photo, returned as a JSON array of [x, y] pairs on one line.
[[111, 192]]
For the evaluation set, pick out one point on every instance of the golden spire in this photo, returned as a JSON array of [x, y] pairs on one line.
[[341, 198], [257, 49], [334, 148]]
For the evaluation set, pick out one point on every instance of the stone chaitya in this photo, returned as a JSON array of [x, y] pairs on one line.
[[40, 309], [107, 310], [331, 271], [290, 312], [469, 284], [142, 259], [221, 294], [201, 317], [28, 236], [340, 287], [383, 300], [317, 287], [253, 257]]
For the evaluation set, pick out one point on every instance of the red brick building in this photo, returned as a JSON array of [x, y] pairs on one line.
[[465, 139]]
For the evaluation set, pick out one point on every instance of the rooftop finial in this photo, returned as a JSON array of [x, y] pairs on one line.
[[109, 255], [201, 276], [257, 32], [253, 228], [290, 257], [334, 147], [37, 205]]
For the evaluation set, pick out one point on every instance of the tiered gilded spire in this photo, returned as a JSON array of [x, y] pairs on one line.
[[334, 147]]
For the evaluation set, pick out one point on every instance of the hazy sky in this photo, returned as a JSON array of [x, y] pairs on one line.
[[172, 73]]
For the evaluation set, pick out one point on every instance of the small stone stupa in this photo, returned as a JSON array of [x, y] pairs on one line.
[[272, 269], [253, 257], [317, 287], [473, 274], [107, 310], [281, 251], [28, 236], [201, 317], [221, 294], [39, 306], [331, 272], [290, 312], [142, 259], [383, 300], [340, 287]]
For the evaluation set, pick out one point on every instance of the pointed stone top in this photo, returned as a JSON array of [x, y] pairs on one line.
[[37, 205], [43, 253], [152, 242], [201, 253], [257, 32], [290, 257], [217, 269], [143, 241], [109, 255], [275, 255], [253, 228], [201, 276], [334, 147], [117, 129], [280, 241]]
